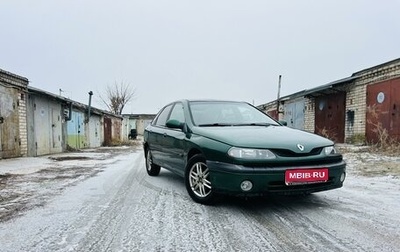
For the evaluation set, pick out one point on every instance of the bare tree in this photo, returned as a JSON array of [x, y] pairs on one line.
[[117, 96]]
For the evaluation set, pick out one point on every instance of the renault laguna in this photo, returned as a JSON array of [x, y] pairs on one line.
[[230, 147]]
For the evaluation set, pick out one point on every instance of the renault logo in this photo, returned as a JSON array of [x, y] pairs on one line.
[[301, 147]]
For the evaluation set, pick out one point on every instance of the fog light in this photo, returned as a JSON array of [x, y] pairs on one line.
[[342, 177], [246, 185]]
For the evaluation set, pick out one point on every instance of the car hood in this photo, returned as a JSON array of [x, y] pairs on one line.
[[273, 137]]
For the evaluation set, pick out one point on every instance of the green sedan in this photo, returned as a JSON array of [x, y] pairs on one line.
[[232, 147]]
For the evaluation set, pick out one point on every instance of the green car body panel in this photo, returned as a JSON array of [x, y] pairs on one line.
[[174, 143]]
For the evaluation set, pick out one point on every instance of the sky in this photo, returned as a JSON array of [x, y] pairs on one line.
[[182, 49]]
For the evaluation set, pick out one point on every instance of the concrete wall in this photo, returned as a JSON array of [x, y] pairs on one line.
[[125, 128]]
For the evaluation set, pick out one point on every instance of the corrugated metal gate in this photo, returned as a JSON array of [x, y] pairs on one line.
[[76, 130], [94, 130], [330, 116], [9, 123], [47, 126], [383, 110], [294, 114]]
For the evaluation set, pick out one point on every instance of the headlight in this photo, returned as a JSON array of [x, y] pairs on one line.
[[329, 150], [243, 153]]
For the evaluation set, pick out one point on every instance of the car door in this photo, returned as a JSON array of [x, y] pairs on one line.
[[174, 142], [156, 136]]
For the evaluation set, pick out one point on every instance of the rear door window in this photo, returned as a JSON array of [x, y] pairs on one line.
[[163, 116]]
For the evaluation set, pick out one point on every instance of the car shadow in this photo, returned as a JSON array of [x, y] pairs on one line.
[[166, 174], [316, 200], [275, 201]]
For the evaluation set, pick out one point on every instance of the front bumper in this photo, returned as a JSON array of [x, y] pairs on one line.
[[226, 178]]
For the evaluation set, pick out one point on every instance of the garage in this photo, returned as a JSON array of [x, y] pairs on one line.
[[383, 111]]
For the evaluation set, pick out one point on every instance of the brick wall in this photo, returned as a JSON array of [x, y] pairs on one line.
[[13, 79], [23, 135], [357, 95], [309, 115], [356, 108]]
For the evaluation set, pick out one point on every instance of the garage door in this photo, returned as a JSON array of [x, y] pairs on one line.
[[383, 110], [330, 116]]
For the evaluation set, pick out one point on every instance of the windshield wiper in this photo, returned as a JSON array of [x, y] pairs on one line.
[[255, 124], [215, 125]]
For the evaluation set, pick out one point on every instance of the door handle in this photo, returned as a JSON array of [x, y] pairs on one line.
[[165, 135]]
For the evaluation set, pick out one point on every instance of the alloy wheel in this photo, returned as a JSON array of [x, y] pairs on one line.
[[199, 180]]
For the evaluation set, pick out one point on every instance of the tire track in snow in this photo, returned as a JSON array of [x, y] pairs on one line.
[[136, 212], [287, 229], [236, 232], [105, 231]]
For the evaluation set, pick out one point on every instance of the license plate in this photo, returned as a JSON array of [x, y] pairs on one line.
[[306, 176]]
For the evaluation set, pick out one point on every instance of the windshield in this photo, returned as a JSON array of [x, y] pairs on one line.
[[222, 113]]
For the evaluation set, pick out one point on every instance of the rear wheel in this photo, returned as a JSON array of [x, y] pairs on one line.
[[198, 182], [152, 169]]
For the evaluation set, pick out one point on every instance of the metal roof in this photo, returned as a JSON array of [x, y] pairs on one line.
[[376, 67], [329, 86], [43, 92], [76, 104], [323, 89]]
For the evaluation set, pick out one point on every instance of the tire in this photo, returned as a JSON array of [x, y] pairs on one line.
[[151, 168], [198, 182]]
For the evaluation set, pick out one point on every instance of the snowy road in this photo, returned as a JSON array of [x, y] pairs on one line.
[[123, 209]]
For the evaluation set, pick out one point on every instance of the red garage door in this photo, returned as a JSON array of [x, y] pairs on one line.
[[274, 114], [330, 116], [383, 111], [107, 131]]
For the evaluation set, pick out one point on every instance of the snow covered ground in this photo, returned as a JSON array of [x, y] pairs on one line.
[[103, 200]]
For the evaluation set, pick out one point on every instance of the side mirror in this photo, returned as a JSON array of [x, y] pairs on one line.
[[284, 123], [174, 124]]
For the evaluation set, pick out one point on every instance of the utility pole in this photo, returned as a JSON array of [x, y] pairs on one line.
[[279, 95], [90, 104]]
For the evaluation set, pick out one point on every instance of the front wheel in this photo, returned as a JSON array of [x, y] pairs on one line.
[[151, 168], [198, 182]]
